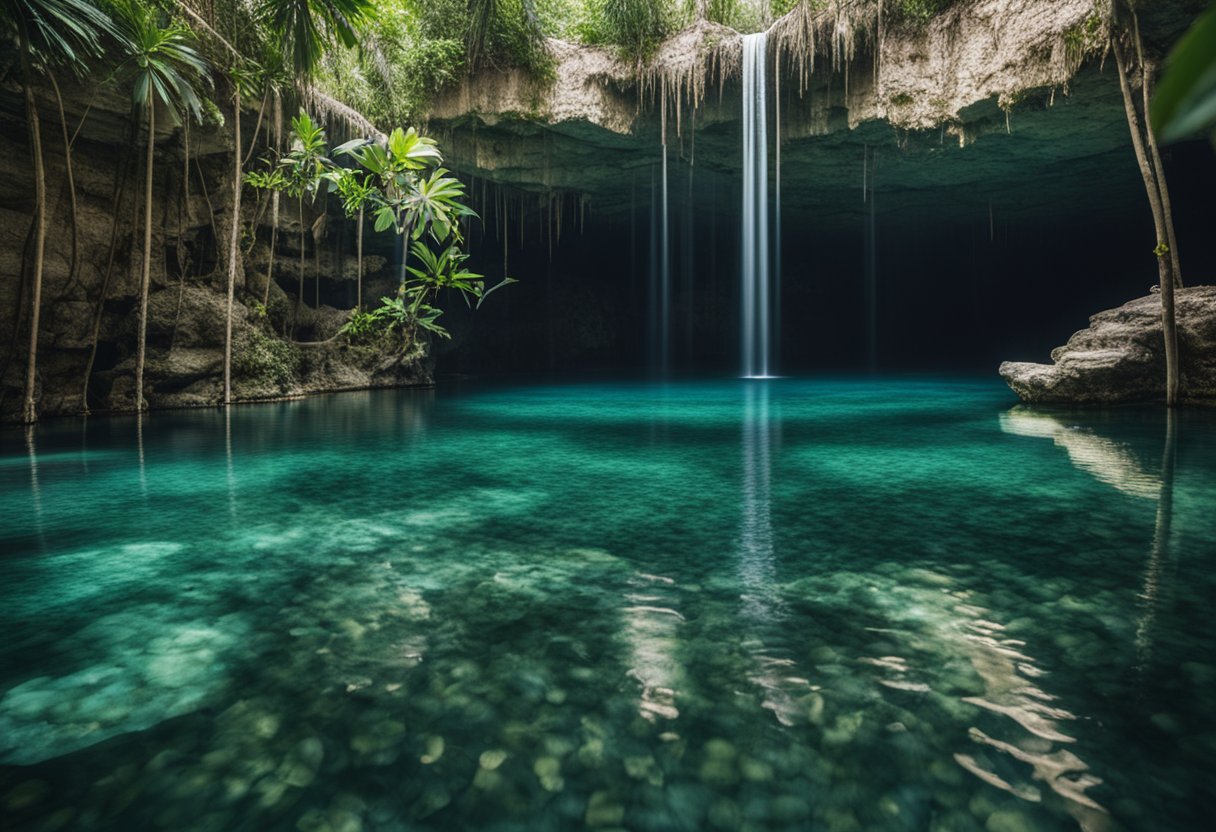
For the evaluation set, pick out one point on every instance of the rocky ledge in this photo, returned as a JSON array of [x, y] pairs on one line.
[[1120, 357]]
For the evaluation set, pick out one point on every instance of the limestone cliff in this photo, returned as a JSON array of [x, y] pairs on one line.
[[188, 279], [1009, 95]]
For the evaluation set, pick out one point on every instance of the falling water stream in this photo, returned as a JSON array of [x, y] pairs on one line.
[[756, 309]]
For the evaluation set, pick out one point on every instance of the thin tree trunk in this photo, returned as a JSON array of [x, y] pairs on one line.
[[120, 185], [318, 234], [1163, 187], [253, 142], [274, 238], [146, 270], [183, 198], [233, 234], [1165, 277], [29, 413], [74, 268], [19, 306], [274, 200], [300, 294], [359, 262]]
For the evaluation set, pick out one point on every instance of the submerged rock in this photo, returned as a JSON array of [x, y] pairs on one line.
[[1120, 357]]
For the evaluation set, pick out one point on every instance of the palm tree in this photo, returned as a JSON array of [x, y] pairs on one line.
[[48, 33], [306, 28], [358, 191], [302, 169], [168, 69]]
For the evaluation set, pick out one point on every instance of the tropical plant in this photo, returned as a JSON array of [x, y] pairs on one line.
[[1185, 104], [50, 34], [636, 27], [415, 198], [358, 190], [305, 28], [440, 271], [299, 173], [506, 32], [362, 326], [164, 66]]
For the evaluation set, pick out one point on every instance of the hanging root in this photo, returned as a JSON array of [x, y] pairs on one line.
[[685, 66]]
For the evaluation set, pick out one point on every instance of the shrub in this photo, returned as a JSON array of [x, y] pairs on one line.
[[260, 357]]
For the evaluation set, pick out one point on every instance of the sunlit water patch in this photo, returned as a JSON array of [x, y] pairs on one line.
[[739, 605]]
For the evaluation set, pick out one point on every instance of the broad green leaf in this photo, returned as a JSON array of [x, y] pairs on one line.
[[1185, 102]]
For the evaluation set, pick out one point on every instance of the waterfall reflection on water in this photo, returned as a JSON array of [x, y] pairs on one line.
[[764, 616]]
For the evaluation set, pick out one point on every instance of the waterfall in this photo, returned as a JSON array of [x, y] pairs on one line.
[[756, 305]]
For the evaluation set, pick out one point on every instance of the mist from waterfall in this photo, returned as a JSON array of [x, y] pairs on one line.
[[756, 303]]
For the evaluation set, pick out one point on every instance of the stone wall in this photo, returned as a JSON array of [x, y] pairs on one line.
[[187, 303]]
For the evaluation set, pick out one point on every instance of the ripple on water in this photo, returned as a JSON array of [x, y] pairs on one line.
[[620, 611]]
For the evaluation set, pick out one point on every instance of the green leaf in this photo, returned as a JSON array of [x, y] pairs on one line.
[[1185, 102], [506, 281]]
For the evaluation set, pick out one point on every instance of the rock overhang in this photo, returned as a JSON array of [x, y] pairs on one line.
[[998, 103]]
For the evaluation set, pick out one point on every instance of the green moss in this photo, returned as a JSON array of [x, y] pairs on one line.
[[263, 358], [1085, 37], [901, 100], [917, 11]]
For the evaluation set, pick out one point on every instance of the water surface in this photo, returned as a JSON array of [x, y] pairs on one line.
[[748, 605]]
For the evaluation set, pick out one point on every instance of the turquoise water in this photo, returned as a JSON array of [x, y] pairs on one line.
[[705, 605]]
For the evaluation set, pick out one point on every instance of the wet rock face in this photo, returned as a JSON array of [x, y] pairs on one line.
[[1120, 357], [187, 302]]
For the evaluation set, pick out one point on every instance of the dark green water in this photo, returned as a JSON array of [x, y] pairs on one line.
[[732, 605]]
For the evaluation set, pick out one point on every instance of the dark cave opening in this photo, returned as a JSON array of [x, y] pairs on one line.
[[959, 285]]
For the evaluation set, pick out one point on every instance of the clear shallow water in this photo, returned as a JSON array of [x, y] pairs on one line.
[[735, 605]]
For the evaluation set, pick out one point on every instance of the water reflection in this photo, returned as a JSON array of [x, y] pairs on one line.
[[1107, 460], [968, 641], [31, 450], [1150, 593], [652, 630], [139, 446], [231, 476], [1012, 690], [1118, 465], [764, 616]]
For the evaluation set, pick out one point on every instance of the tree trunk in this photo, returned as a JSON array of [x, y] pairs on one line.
[[233, 235], [359, 262], [74, 268], [146, 270], [253, 142], [300, 296], [29, 412], [121, 172], [1164, 271], [1163, 188], [274, 201]]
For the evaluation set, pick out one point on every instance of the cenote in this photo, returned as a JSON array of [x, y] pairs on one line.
[[745, 604], [543, 415]]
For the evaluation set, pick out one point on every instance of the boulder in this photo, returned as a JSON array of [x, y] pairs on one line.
[[1120, 357]]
